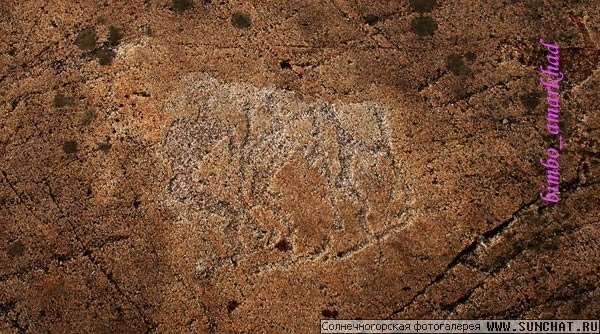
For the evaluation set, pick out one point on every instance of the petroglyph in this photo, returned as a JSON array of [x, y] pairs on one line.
[[283, 174]]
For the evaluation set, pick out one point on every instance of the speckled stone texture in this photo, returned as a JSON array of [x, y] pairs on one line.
[[197, 166]]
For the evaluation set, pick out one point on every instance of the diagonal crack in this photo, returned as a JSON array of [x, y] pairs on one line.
[[571, 187], [151, 326], [464, 252], [20, 199], [490, 273]]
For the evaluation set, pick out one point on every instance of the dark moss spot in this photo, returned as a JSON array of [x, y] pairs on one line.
[[241, 20], [104, 147], [16, 249], [61, 101], [120, 313], [470, 56], [148, 31], [329, 313], [137, 202], [530, 101], [460, 91], [456, 65], [423, 25], [549, 246], [70, 146], [105, 56], [285, 65], [61, 258], [232, 305], [87, 117], [283, 245], [86, 39], [181, 5], [371, 19], [12, 52], [579, 306], [115, 35], [422, 6]]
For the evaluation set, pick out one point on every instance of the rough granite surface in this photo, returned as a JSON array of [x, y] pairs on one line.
[[198, 166]]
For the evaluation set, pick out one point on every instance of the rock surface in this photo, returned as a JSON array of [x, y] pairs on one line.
[[195, 166]]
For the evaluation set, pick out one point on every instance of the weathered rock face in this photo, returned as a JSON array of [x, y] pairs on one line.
[[202, 166]]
